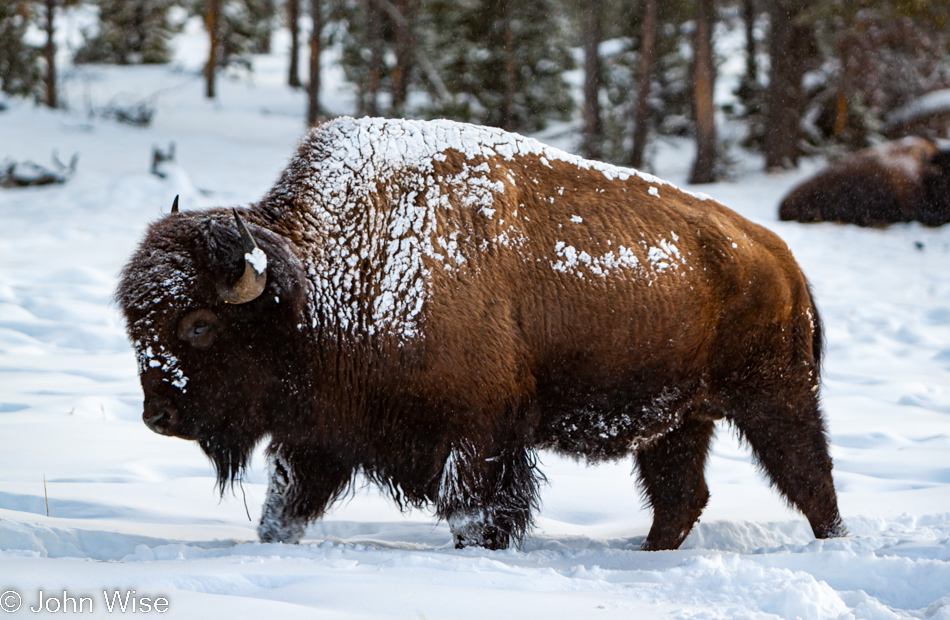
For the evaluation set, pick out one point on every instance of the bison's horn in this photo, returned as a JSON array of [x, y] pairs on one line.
[[175, 205], [252, 281]]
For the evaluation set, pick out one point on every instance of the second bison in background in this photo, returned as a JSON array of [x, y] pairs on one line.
[[901, 181]]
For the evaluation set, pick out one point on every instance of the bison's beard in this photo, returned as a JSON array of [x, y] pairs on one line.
[[230, 455]]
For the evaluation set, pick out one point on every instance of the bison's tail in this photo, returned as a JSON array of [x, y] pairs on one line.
[[817, 334]]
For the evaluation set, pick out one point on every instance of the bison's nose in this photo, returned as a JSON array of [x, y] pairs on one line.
[[160, 417]]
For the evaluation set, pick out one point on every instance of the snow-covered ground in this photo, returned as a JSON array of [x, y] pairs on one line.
[[130, 510]]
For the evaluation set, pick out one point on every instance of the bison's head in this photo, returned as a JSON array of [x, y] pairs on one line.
[[215, 310]]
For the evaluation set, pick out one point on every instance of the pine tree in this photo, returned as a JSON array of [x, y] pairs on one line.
[[130, 32], [49, 52], [212, 15], [648, 83], [645, 72], [405, 50], [19, 61], [502, 61], [364, 39], [789, 42], [878, 56], [48, 25], [236, 29], [314, 113], [593, 78], [374, 33], [293, 24], [244, 26], [704, 78], [750, 92], [269, 17]]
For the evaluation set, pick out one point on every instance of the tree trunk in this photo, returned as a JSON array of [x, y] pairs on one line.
[[784, 96], [211, 23], [265, 42], [704, 168], [405, 47], [439, 92], [844, 46], [593, 126], [313, 88], [751, 62], [645, 77], [508, 120], [374, 40], [49, 52], [293, 23]]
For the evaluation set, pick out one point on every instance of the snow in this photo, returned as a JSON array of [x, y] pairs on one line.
[[257, 259], [131, 510], [935, 102]]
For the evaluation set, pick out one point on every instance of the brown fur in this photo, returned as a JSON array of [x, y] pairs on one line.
[[512, 356], [902, 181]]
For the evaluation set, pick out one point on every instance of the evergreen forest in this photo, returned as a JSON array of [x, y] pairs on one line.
[[820, 76]]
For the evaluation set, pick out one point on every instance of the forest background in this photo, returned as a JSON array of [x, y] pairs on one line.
[[824, 77]]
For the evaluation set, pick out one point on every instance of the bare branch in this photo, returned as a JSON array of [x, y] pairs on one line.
[[29, 174]]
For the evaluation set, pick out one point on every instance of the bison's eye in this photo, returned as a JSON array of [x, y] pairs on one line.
[[199, 328]]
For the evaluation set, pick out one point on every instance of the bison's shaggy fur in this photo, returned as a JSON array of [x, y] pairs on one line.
[[902, 181], [443, 300]]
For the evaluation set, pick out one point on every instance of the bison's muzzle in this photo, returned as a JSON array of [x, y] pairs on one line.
[[161, 417]]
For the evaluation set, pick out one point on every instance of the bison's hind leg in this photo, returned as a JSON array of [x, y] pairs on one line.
[[487, 498], [787, 437], [672, 471]]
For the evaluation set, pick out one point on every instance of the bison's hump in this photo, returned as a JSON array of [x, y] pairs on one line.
[[387, 144], [372, 273]]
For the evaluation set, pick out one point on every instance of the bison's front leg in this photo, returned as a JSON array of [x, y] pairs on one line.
[[301, 486], [487, 498], [276, 525]]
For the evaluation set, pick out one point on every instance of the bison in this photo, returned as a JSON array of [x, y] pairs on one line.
[[429, 304], [901, 181]]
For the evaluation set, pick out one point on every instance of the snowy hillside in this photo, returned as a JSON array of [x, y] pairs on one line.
[[130, 510]]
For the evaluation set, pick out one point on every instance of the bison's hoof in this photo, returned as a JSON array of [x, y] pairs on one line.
[[480, 535], [493, 543], [273, 532], [835, 530]]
